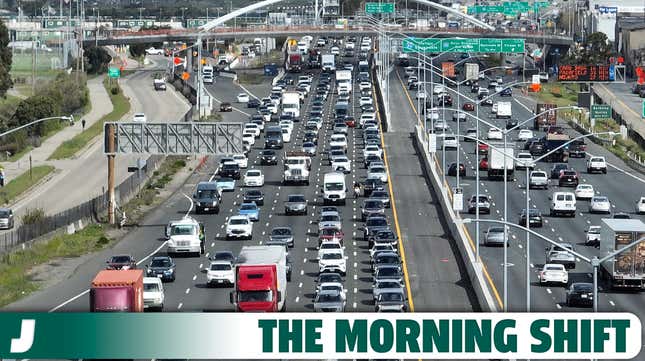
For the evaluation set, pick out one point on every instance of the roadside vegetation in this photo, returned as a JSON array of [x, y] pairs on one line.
[[21, 184], [121, 106], [16, 278]]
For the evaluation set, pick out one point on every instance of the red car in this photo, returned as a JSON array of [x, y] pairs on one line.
[[483, 148], [483, 164], [468, 107], [350, 122], [330, 234]]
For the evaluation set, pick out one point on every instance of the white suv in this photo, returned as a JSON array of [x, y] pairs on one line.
[[153, 296], [220, 272], [563, 203], [333, 260], [596, 164], [239, 226]]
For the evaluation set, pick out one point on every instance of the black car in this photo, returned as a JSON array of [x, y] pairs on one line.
[[329, 277], [121, 261], [555, 170], [253, 103], [371, 206], [568, 178], [535, 218], [230, 170], [507, 92], [268, 157], [577, 149], [373, 224], [536, 148], [223, 256], [445, 100], [386, 259], [452, 170], [511, 123], [581, 294], [386, 236], [372, 184], [254, 195], [162, 267], [310, 137], [487, 102], [382, 196]]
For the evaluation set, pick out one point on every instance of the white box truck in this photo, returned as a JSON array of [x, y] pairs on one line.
[[626, 270], [344, 81], [496, 161], [504, 110], [291, 104], [328, 63]]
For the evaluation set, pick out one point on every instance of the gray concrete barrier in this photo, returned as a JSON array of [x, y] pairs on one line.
[[476, 272]]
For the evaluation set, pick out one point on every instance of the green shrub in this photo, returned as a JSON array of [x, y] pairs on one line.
[[33, 216]]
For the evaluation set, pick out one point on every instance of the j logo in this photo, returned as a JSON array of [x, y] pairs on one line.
[[23, 344]]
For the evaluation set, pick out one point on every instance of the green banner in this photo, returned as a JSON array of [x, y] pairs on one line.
[[599, 111], [379, 8], [472, 45]]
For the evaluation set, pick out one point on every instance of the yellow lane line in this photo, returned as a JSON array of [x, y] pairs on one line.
[[472, 244], [393, 203]]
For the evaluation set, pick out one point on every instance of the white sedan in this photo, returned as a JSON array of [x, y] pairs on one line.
[[525, 134], [243, 98], [252, 128], [450, 141], [241, 160], [440, 125], [338, 140], [154, 51], [372, 150], [438, 89], [584, 191], [553, 273], [253, 178], [640, 206], [494, 133], [341, 164], [286, 135], [377, 171], [365, 101], [248, 137], [600, 204]]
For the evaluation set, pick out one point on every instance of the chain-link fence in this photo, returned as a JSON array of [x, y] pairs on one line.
[[89, 211]]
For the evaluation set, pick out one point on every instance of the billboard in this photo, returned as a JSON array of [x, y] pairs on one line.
[[448, 69]]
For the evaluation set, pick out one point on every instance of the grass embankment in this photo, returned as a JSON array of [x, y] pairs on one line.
[[121, 106], [245, 78], [147, 196], [568, 95], [23, 183], [15, 279]]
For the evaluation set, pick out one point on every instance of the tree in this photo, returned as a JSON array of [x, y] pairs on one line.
[[595, 50], [5, 61], [97, 60], [33, 108]]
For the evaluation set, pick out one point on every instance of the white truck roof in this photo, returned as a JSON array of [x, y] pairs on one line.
[[260, 255], [625, 225]]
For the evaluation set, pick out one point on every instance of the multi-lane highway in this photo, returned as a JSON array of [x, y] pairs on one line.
[[620, 184]]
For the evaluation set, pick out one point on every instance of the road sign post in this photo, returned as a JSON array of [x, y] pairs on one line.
[[379, 8]]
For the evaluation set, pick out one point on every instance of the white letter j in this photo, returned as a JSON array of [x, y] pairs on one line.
[[23, 344]]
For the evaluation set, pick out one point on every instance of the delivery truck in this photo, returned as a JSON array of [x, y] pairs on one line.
[[504, 110], [291, 104], [261, 276], [294, 62], [328, 63], [545, 120], [496, 161], [553, 141], [627, 269], [117, 291]]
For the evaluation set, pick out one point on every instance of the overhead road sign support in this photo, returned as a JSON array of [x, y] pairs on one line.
[[460, 45], [181, 138]]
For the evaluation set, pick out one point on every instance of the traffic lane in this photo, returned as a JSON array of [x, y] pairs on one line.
[[140, 242], [438, 279], [223, 90]]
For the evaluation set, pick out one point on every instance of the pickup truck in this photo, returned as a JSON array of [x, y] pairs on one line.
[[596, 164]]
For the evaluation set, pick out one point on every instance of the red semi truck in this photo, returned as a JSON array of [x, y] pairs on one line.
[[117, 291], [262, 273], [294, 62]]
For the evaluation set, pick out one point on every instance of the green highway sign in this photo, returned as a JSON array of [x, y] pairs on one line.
[[114, 72], [379, 8], [195, 23], [600, 111], [508, 8], [643, 109], [474, 45]]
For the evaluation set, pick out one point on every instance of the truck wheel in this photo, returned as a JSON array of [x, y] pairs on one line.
[[604, 171]]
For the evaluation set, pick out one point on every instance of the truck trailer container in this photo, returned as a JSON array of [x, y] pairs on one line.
[[496, 162], [627, 269], [117, 291], [547, 119], [261, 275]]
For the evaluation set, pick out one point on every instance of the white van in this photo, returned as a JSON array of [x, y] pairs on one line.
[[563, 203], [334, 188]]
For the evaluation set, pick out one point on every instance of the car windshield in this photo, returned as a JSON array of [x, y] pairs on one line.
[[554, 268], [600, 199], [253, 193], [268, 153], [281, 232], [584, 287], [4, 214], [297, 199], [183, 230], [255, 296], [539, 174], [238, 221], [377, 170], [206, 193], [324, 298], [248, 207], [332, 256], [376, 222], [373, 204], [594, 230], [330, 245], [120, 259], [387, 271], [329, 232], [160, 263], [150, 287], [391, 296], [220, 267], [330, 218], [334, 186], [385, 235], [388, 284], [254, 173], [496, 230]]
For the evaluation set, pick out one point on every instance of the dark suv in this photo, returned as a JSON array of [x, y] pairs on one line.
[[230, 170], [207, 197]]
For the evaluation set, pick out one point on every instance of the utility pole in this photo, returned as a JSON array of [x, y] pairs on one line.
[[33, 67], [111, 176]]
